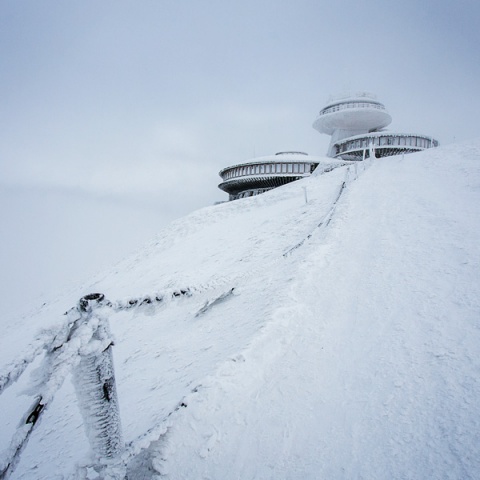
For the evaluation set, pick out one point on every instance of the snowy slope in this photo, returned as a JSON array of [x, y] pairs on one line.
[[354, 355]]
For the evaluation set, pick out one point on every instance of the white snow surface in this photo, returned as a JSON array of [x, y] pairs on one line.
[[356, 355]]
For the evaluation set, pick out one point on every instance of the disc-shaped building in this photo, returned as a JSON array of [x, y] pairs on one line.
[[356, 125], [261, 174]]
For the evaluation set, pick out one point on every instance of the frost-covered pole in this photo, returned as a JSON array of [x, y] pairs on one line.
[[94, 381], [305, 194]]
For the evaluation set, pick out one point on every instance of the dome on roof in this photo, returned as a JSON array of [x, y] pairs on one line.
[[346, 96], [291, 153]]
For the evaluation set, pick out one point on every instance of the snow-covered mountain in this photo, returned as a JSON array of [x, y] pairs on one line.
[[348, 347]]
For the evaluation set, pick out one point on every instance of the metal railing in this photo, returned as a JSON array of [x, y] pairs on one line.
[[344, 106], [275, 169], [81, 345]]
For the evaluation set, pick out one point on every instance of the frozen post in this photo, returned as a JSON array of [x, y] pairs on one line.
[[94, 381], [305, 193]]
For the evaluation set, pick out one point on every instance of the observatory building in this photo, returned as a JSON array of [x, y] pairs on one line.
[[356, 123]]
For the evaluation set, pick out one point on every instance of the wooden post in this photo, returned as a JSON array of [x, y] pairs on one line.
[[94, 380]]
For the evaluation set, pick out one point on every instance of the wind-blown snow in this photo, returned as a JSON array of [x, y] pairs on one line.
[[353, 356]]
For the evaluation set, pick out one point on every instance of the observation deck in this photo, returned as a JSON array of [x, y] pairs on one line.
[[381, 144], [265, 173]]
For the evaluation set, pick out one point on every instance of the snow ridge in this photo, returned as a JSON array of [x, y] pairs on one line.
[[352, 173]]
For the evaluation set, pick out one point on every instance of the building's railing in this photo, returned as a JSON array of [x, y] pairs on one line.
[[267, 169], [344, 106], [407, 142]]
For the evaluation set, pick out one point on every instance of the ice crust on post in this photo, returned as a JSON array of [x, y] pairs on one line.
[[94, 381]]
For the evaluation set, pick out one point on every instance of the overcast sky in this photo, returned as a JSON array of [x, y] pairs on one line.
[[143, 102]]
